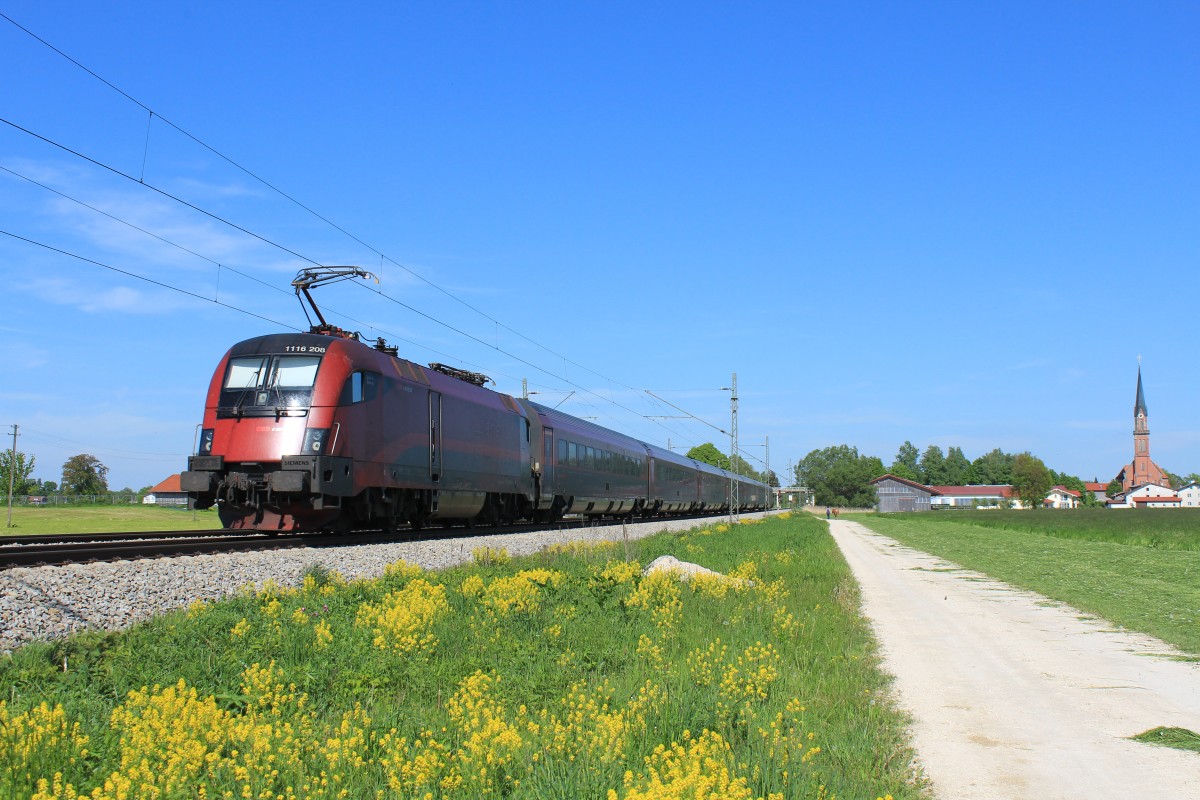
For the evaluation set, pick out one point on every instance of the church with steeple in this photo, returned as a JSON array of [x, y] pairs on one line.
[[1142, 470]]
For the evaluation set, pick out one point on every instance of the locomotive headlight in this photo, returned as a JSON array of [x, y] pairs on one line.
[[315, 441], [206, 442]]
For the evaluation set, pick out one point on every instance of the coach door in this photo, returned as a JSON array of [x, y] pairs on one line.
[[547, 465], [435, 436]]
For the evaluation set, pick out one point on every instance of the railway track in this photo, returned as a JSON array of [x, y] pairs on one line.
[[84, 548]]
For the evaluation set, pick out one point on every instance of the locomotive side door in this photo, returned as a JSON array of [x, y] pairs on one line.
[[435, 436]]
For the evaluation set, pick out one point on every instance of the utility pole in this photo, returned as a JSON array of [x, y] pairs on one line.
[[12, 472], [770, 491], [733, 448]]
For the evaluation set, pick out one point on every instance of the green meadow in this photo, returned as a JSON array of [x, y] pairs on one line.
[[101, 518], [565, 674]]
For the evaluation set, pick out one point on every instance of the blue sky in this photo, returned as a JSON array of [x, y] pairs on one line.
[[950, 223]]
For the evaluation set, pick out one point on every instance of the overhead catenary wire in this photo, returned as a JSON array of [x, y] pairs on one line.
[[383, 257], [183, 131]]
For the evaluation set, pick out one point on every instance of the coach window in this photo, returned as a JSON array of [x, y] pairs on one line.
[[572, 454]]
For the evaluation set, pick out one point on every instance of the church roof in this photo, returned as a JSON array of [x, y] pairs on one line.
[[1140, 403]]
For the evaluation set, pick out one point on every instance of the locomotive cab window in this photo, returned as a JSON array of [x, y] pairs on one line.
[[264, 385]]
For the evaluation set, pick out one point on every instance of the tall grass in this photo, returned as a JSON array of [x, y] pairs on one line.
[[1120, 575], [1166, 528], [563, 675]]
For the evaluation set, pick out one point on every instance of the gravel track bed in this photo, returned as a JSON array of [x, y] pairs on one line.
[[43, 603]]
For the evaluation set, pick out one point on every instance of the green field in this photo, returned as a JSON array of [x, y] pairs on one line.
[[28, 520], [1139, 570], [1172, 529], [562, 675]]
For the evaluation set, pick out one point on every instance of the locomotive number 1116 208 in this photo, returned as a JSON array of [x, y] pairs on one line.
[[299, 348]]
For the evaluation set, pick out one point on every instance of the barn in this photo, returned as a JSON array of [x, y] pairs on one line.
[[900, 494]]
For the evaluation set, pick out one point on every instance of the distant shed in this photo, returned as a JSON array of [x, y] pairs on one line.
[[167, 493], [900, 494]]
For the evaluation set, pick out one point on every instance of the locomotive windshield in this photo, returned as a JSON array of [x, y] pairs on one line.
[[279, 385]]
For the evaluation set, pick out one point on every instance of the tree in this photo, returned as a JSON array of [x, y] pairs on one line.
[[1031, 480], [933, 466], [1114, 488], [18, 470], [905, 465], [992, 469], [957, 467], [839, 476], [84, 474], [708, 453]]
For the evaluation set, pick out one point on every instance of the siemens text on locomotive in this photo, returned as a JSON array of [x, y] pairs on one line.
[[322, 431]]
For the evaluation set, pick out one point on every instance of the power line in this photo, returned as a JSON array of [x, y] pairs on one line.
[[147, 280], [152, 114]]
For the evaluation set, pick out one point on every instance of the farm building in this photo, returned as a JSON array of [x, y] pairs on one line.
[[1189, 495], [167, 493], [975, 496], [900, 494]]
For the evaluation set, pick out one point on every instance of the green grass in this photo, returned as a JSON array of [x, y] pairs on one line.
[[550, 686], [1179, 738], [1165, 528], [1115, 574], [105, 519]]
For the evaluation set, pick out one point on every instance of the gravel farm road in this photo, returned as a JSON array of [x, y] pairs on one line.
[[1014, 696]]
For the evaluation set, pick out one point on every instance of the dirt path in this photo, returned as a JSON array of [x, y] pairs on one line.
[[1016, 697]]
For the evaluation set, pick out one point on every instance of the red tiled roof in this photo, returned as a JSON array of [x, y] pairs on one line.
[[974, 491], [1152, 499], [1065, 490], [1096, 487], [171, 484]]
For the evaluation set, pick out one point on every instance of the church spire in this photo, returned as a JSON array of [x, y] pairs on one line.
[[1139, 405]]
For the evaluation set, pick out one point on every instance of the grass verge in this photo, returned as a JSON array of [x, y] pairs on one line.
[[563, 675], [1133, 585], [107, 519]]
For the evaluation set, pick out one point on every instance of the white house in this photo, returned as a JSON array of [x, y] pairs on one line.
[[1189, 495], [1148, 495], [1062, 497]]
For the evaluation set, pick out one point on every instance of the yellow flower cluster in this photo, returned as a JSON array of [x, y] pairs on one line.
[[174, 743], [659, 595], [749, 678], [619, 572], [520, 593], [403, 621], [590, 730], [581, 549], [402, 570], [696, 769], [491, 556], [36, 740]]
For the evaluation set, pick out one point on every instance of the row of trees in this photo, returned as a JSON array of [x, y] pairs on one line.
[[841, 476], [81, 474]]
